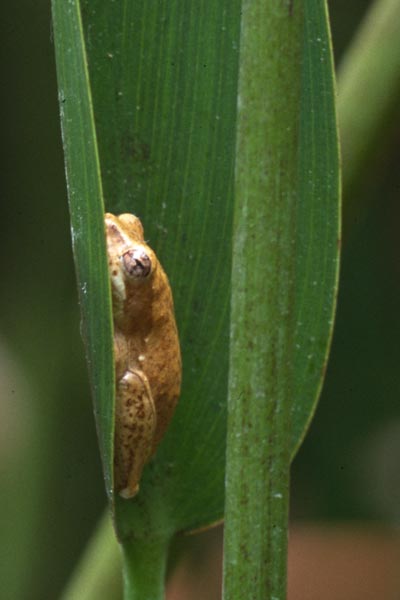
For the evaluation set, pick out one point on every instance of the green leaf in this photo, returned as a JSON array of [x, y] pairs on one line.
[[98, 575], [86, 210], [370, 69], [317, 247], [163, 83]]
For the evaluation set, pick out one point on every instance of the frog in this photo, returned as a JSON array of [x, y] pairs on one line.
[[147, 356]]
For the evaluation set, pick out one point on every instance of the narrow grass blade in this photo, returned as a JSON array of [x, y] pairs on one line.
[[86, 210]]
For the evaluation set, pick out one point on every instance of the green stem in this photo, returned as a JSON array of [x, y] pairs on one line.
[[144, 568], [262, 311], [368, 84]]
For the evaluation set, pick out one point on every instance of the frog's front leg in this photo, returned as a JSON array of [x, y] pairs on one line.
[[135, 424]]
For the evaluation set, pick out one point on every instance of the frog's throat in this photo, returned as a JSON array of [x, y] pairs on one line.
[[118, 286]]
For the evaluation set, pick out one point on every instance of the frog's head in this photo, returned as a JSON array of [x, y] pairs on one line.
[[131, 262]]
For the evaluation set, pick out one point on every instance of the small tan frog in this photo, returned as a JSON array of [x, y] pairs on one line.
[[146, 348]]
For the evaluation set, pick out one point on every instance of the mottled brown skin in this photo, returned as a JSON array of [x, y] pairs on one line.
[[146, 348]]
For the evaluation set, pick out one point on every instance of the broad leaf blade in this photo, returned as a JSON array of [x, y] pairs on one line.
[[164, 95]]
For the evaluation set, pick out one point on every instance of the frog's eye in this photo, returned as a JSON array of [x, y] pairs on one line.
[[137, 263]]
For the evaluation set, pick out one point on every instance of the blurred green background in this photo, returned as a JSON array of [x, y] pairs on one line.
[[51, 483]]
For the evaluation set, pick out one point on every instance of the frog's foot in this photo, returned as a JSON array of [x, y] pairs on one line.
[[135, 424]]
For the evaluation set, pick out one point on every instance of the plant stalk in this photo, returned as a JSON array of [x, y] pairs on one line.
[[262, 307], [144, 568]]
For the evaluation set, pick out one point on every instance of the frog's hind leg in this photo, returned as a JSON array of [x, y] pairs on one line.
[[135, 424]]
